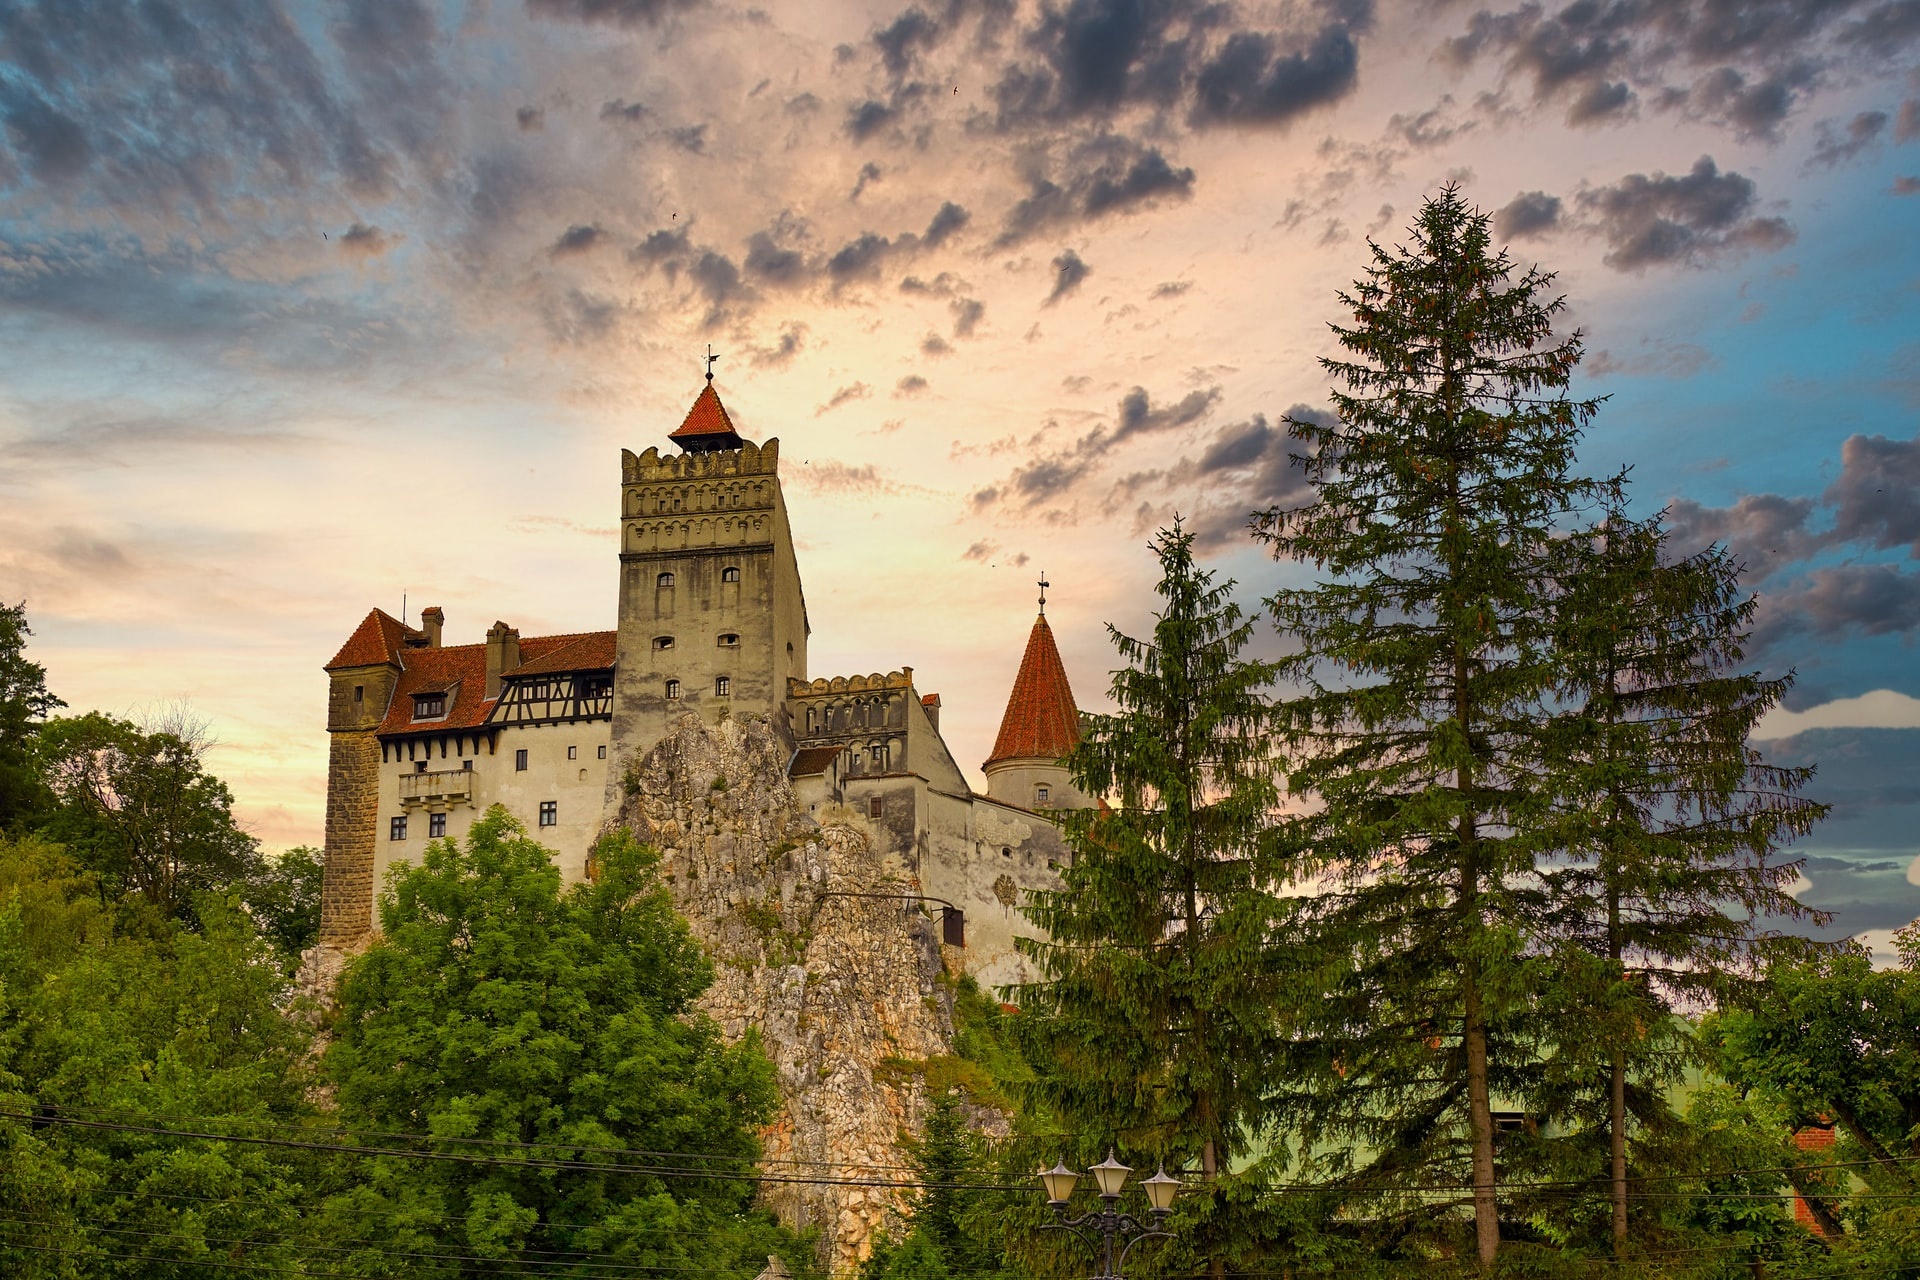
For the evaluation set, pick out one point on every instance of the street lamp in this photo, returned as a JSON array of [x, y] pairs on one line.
[[1101, 1228]]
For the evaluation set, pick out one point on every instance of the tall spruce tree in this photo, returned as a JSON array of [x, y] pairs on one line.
[[1667, 823], [1425, 661], [1154, 1023]]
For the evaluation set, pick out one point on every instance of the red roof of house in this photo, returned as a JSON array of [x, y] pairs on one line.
[[808, 761], [379, 639], [585, 651], [707, 424], [1041, 719]]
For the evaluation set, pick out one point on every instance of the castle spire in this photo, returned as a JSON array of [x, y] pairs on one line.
[[1041, 722], [707, 427]]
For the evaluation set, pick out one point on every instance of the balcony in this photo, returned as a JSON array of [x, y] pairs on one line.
[[439, 790]]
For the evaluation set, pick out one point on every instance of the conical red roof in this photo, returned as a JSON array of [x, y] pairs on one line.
[[707, 425], [1041, 719]]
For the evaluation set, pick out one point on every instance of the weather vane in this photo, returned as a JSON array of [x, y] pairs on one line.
[[710, 359], [1044, 584]]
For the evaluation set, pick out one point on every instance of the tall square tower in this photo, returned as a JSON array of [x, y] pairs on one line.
[[713, 621]]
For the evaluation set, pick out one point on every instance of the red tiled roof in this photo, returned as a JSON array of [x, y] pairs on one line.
[[379, 639], [1041, 719], [460, 670], [585, 651], [930, 700], [808, 761], [706, 420]]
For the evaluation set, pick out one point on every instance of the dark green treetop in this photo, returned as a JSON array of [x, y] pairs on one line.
[[1153, 1023], [1425, 660]]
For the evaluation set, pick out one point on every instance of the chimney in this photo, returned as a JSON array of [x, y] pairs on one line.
[[431, 620], [503, 655], [931, 704]]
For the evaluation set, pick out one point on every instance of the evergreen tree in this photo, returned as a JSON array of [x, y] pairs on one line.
[[1155, 1020], [1425, 662], [24, 704], [1668, 824]]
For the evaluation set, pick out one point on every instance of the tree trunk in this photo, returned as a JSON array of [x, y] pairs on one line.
[[1210, 1169], [1617, 1086], [1486, 1209]]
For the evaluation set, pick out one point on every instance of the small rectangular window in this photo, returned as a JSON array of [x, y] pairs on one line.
[[603, 753], [436, 826], [520, 760], [875, 807], [467, 764], [429, 706], [1042, 794], [573, 753], [419, 766], [397, 828], [549, 813], [359, 693]]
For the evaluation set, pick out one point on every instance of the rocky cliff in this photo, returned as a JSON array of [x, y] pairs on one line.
[[842, 989]]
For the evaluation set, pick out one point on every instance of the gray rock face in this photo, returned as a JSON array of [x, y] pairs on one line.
[[839, 988]]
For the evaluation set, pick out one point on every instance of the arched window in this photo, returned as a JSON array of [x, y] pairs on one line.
[[730, 574], [663, 642], [673, 688], [722, 686], [664, 580], [729, 639]]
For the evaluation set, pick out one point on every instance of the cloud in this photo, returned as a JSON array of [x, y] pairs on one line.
[[1837, 147], [1684, 219], [911, 385], [948, 221], [1906, 186], [1656, 359], [1877, 495], [1906, 124], [829, 476], [980, 552], [622, 13], [1050, 475], [1879, 709], [530, 119], [1171, 288], [365, 241], [1531, 213], [1862, 599], [864, 119], [845, 395], [967, 314], [1069, 272], [869, 174], [578, 238], [1768, 532], [792, 337], [935, 346], [1254, 80], [1098, 177]]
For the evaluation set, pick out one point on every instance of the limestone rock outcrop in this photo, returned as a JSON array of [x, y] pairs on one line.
[[841, 988]]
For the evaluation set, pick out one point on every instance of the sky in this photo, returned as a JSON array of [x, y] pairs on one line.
[[307, 309]]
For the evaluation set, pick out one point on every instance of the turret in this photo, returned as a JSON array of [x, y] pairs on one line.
[[1040, 727]]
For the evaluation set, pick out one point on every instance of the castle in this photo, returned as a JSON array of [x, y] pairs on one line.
[[712, 622]]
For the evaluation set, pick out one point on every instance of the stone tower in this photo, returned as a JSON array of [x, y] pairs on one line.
[[1040, 726], [360, 685], [712, 620]]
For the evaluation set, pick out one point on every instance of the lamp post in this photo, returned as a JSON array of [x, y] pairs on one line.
[[1102, 1229]]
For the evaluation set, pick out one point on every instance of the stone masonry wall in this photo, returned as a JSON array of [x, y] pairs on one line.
[[353, 798], [840, 988]]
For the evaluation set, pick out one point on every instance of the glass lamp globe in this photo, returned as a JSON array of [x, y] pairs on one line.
[[1059, 1182], [1160, 1190], [1110, 1174]]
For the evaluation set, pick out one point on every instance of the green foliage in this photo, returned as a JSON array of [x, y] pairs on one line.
[[138, 808], [283, 896], [1157, 1016], [1426, 661], [1664, 829], [24, 703], [507, 1019], [1829, 1040], [951, 1230], [171, 1029]]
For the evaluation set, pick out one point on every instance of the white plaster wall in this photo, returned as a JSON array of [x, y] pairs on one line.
[[577, 785]]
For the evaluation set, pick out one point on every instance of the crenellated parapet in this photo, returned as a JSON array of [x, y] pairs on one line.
[[749, 459], [901, 679]]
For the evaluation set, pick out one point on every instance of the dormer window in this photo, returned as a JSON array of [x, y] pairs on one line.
[[664, 580], [429, 706], [663, 642], [730, 574], [729, 639]]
